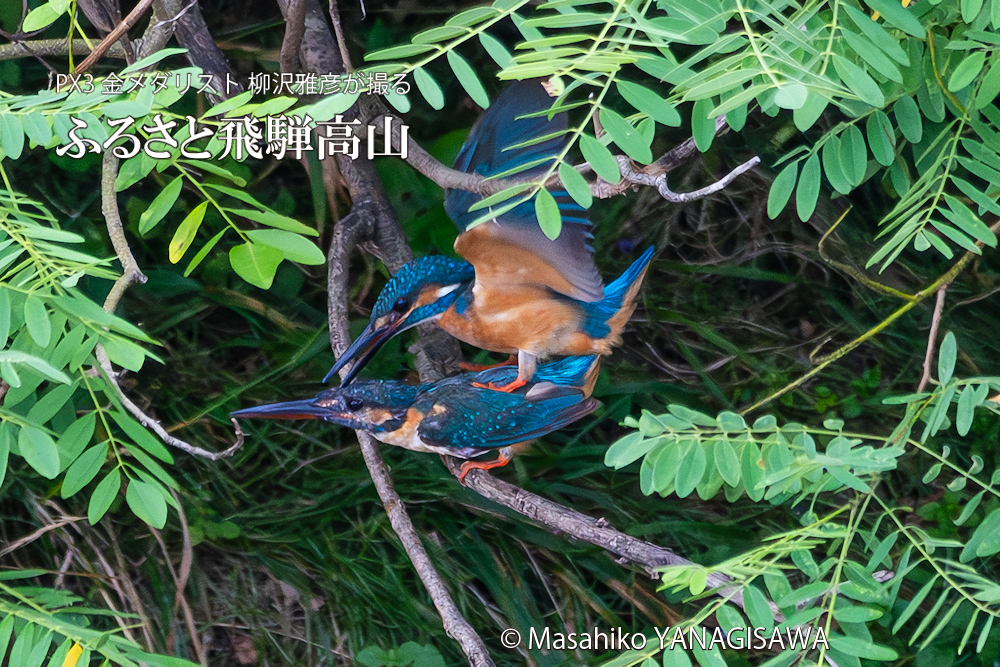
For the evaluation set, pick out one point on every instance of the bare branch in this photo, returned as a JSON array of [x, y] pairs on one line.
[[629, 175], [932, 337], [652, 175], [52, 47], [131, 274], [295, 28], [114, 35]]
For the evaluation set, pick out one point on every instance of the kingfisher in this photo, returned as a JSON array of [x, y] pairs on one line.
[[456, 416], [517, 292]]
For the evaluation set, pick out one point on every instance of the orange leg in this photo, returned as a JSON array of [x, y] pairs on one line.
[[465, 366], [525, 371], [501, 460]]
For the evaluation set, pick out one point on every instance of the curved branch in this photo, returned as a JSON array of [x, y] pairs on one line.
[[131, 274], [653, 174]]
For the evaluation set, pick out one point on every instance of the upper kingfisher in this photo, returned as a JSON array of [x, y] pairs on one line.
[[519, 292], [456, 416]]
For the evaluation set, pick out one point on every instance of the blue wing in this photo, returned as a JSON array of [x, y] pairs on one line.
[[470, 418], [486, 152]]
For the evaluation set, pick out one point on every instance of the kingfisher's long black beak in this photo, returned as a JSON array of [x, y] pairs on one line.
[[364, 348], [287, 410]]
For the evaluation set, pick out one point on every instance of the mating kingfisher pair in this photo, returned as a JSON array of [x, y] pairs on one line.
[[518, 292]]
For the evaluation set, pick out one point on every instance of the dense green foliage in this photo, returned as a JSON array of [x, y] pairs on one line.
[[853, 504]]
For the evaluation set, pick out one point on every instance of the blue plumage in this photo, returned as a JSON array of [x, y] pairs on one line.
[[454, 416]]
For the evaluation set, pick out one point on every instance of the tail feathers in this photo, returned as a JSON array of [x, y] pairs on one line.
[[607, 317]]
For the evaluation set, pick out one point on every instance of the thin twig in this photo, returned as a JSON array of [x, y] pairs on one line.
[[132, 274], [946, 278], [653, 175], [114, 35], [932, 337], [659, 182]]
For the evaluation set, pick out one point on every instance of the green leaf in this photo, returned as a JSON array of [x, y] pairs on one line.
[[6, 439], [757, 609], [854, 614], [328, 107], [124, 352], [429, 88], [152, 59], [186, 231], [576, 185], [599, 158], [649, 103], [908, 118], [862, 648], [872, 56], [971, 9], [41, 17], [271, 219], [781, 189], [547, 212], [947, 356], [967, 71], [160, 206], [808, 190], [832, 165], [881, 138], [255, 263], [6, 312], [691, 470], [967, 221], [468, 78], [726, 461], [853, 155], [40, 365], [11, 135], [675, 656], [806, 116], [969, 508], [140, 436], [702, 127], [400, 52], [293, 247], [36, 317], [84, 469], [897, 16], [104, 495], [501, 56], [877, 35], [990, 87], [791, 95], [966, 410], [626, 136], [859, 81], [146, 500], [39, 450]]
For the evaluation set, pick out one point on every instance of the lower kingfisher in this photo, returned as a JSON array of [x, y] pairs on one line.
[[519, 292], [456, 416]]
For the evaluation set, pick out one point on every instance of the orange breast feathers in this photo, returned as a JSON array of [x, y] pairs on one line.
[[516, 303]]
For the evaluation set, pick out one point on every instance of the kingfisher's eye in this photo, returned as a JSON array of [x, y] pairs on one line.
[[354, 404], [402, 305]]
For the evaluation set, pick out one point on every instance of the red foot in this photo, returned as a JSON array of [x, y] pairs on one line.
[[499, 462], [465, 366], [505, 388]]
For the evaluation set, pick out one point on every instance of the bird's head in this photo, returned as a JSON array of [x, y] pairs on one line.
[[369, 405], [420, 291]]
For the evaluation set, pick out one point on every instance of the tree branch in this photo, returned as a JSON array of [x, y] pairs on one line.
[[52, 47], [371, 212], [131, 274], [653, 174]]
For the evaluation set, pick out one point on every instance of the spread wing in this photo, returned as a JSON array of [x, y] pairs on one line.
[[565, 264], [470, 418]]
